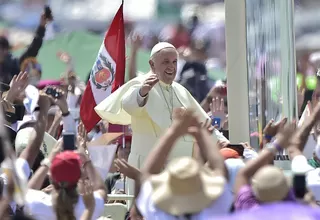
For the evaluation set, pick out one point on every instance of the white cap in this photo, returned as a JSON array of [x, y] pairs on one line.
[[25, 134], [160, 46]]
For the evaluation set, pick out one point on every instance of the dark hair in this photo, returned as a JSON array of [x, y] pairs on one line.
[[4, 43], [64, 202]]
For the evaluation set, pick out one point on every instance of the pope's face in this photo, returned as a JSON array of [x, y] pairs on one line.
[[164, 64]]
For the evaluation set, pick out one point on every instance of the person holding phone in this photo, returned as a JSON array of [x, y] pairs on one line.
[[217, 112], [9, 65], [69, 124]]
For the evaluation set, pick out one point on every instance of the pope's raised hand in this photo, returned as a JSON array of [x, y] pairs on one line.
[[148, 84]]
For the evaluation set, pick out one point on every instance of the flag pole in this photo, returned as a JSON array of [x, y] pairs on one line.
[[123, 126]]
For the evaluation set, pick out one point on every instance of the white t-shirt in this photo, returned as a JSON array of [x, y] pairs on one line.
[[145, 205], [39, 205]]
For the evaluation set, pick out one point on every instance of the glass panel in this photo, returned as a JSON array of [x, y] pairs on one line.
[[266, 69]]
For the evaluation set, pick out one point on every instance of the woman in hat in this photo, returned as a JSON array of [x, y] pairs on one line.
[[72, 175]]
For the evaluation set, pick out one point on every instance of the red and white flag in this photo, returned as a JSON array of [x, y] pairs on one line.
[[107, 73]]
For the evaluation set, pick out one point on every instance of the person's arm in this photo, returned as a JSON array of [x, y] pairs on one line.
[[30, 153], [133, 102], [89, 203], [136, 97], [300, 138], [69, 124], [40, 175], [93, 175], [158, 156], [34, 47], [126, 169], [282, 140], [210, 151], [135, 45], [96, 180], [55, 124], [205, 104]]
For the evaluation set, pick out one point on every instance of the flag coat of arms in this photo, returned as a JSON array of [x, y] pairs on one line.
[[107, 73]]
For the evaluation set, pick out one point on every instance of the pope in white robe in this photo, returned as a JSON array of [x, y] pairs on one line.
[[147, 102]]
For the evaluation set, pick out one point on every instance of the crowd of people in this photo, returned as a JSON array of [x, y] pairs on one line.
[[174, 158]]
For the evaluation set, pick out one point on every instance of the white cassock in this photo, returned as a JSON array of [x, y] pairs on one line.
[[149, 122]]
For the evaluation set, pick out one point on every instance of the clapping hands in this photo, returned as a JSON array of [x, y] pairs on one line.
[[186, 122]]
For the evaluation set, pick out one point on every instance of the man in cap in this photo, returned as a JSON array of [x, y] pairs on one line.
[[148, 102]]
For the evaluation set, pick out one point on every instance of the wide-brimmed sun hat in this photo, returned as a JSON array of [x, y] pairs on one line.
[[186, 187]]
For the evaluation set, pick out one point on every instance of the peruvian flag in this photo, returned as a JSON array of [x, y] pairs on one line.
[[107, 73]]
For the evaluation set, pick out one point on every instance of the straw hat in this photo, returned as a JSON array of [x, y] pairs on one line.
[[269, 184], [185, 187]]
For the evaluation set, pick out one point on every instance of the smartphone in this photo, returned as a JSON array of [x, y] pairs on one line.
[[48, 12], [237, 147], [299, 185], [216, 122], [69, 142], [52, 92]]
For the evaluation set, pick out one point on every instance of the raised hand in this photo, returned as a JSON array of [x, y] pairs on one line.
[[56, 149], [285, 133], [86, 190], [272, 128], [45, 101], [44, 20], [126, 169], [186, 123], [17, 86], [82, 136], [136, 41], [178, 112], [148, 84], [219, 90], [82, 143], [64, 57], [217, 109], [60, 100]]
